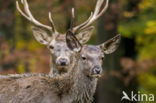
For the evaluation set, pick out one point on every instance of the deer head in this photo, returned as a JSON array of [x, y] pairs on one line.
[[91, 57], [61, 56]]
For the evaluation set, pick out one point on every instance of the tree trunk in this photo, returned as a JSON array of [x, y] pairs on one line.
[[109, 89], [67, 5], [8, 21]]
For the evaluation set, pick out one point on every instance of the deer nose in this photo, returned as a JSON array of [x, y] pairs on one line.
[[97, 70], [63, 61]]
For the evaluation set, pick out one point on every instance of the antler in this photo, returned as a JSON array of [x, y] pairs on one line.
[[72, 19], [93, 17], [28, 15]]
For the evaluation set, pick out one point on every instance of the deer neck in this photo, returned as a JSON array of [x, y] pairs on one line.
[[55, 70], [84, 87], [52, 67], [80, 86]]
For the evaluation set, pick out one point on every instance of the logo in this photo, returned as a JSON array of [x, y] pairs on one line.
[[137, 97]]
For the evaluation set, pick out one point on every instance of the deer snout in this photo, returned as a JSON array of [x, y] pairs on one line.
[[97, 70], [63, 62]]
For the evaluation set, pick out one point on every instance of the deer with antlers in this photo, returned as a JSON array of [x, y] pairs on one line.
[[76, 86], [61, 56]]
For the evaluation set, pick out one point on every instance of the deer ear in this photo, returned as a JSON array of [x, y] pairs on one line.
[[110, 45], [41, 35], [85, 35], [72, 42]]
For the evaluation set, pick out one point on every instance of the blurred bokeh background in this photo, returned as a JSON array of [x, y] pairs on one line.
[[131, 68]]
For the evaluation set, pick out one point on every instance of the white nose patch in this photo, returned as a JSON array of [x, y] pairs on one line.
[[62, 57]]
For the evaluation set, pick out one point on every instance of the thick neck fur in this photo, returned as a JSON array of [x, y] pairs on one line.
[[83, 87], [56, 71], [53, 68], [72, 87]]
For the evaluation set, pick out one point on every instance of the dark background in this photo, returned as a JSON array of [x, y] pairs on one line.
[[131, 68]]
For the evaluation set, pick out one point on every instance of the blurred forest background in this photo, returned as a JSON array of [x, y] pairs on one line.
[[131, 68]]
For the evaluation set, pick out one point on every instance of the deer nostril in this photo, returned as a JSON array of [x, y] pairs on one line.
[[97, 70], [63, 62]]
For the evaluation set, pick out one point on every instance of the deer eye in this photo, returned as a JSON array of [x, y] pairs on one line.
[[84, 58], [51, 47], [102, 58]]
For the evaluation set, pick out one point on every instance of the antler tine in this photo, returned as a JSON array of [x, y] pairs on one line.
[[98, 6], [73, 13], [94, 16], [103, 10], [52, 24], [81, 25], [72, 19], [21, 12], [29, 16]]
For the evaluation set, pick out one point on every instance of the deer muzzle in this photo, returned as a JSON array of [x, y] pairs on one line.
[[97, 70], [62, 62]]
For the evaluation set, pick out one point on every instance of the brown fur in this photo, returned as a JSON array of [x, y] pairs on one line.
[[56, 44], [73, 87], [63, 52], [76, 86], [61, 38]]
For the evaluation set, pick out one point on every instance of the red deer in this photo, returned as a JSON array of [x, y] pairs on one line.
[[61, 56], [76, 86]]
